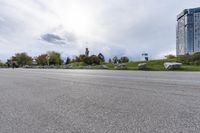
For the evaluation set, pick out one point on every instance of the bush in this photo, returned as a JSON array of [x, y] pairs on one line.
[[195, 57], [197, 62], [124, 59], [91, 60], [187, 59], [170, 56]]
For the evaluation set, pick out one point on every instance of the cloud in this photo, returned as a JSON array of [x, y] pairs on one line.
[[114, 27], [2, 19], [52, 38], [58, 35]]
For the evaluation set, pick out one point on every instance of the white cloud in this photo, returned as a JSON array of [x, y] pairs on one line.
[[2, 19], [114, 27]]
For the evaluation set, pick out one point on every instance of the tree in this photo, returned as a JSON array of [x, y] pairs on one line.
[[68, 61], [2, 64], [73, 60], [90, 60], [54, 59], [22, 59], [82, 58], [15, 64], [124, 59], [8, 63], [87, 60], [77, 59], [101, 57], [41, 60], [87, 52], [115, 60], [95, 59]]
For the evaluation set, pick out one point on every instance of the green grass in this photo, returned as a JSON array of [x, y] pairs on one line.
[[190, 68], [152, 65], [157, 65]]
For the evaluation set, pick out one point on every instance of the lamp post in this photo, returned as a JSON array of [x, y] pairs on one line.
[[48, 58], [34, 61]]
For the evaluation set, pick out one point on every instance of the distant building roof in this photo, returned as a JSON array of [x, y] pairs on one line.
[[188, 11]]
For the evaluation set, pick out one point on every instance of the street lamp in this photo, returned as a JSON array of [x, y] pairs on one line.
[[48, 58]]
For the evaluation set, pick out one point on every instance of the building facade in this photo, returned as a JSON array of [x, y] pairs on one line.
[[188, 32]]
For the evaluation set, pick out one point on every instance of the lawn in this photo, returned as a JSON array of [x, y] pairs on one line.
[[152, 65]]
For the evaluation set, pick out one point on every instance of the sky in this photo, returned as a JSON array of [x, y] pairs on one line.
[[112, 27]]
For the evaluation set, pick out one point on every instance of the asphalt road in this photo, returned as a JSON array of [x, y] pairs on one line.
[[95, 101]]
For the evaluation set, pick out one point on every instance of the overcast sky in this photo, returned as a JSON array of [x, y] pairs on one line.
[[113, 27]]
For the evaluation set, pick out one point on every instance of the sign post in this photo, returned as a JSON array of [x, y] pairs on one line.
[[146, 56]]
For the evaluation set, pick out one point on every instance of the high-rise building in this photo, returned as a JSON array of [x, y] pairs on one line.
[[188, 32]]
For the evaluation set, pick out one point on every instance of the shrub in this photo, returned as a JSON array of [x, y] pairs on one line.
[[170, 56], [93, 59], [187, 59], [124, 59]]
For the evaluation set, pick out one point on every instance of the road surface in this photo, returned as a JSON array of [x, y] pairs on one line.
[[95, 101]]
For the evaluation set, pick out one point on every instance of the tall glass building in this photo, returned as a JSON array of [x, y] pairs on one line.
[[188, 31]]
